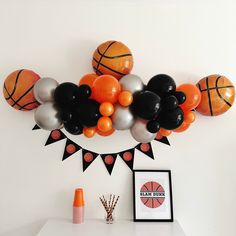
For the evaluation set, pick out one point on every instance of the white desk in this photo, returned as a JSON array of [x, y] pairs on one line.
[[118, 228]]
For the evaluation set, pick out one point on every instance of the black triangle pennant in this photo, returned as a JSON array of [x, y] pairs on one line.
[[36, 127], [163, 140], [70, 149], [145, 148], [109, 161], [128, 157], [55, 136], [88, 158]]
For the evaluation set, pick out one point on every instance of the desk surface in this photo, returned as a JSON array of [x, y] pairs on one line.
[[118, 228]]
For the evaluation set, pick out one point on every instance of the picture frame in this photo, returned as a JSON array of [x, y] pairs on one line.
[[152, 196]]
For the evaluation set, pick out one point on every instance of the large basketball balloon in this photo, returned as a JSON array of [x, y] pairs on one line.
[[18, 90], [218, 95], [112, 58]]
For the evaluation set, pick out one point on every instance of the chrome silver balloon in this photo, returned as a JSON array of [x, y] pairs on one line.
[[122, 118], [131, 83], [46, 117], [44, 89], [140, 132]]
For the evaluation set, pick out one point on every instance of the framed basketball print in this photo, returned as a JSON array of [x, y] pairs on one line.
[[152, 195]]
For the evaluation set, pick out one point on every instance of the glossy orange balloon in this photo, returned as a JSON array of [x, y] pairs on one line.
[[110, 132], [104, 124], [106, 88], [106, 109], [165, 132], [182, 128], [89, 132], [193, 96], [125, 98], [189, 117], [88, 79]]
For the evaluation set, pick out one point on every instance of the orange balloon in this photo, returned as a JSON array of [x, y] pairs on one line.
[[89, 132], [106, 88], [106, 133], [182, 127], [165, 132], [104, 124], [106, 109], [193, 96], [189, 117], [88, 79], [125, 98]]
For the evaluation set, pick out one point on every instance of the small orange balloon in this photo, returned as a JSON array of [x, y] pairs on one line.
[[106, 88], [193, 96], [88, 79], [110, 132], [125, 98], [106, 109], [89, 132], [182, 127], [165, 132], [104, 124], [189, 117]]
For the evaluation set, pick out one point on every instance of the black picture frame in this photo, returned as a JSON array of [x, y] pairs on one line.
[[171, 218]]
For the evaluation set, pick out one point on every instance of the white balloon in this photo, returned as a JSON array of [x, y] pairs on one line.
[[122, 118], [131, 83], [44, 89], [46, 117], [140, 132]]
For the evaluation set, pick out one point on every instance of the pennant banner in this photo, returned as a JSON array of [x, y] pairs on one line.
[[128, 157], [109, 161], [36, 127], [163, 140], [55, 136], [145, 148], [88, 158], [70, 149]]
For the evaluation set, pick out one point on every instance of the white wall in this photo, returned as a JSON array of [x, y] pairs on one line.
[[186, 39]]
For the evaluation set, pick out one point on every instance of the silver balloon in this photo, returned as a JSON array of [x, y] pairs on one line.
[[140, 132], [46, 117], [131, 83], [44, 89], [122, 118]]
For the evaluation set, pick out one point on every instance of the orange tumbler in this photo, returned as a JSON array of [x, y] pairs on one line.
[[78, 206]]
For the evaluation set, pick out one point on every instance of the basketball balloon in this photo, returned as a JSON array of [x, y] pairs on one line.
[[218, 95], [112, 58], [18, 90]]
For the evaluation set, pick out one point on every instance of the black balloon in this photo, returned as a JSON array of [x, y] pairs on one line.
[[181, 97], [171, 119], [84, 91], [153, 126], [169, 103], [66, 116], [74, 128], [161, 84], [146, 105], [87, 112], [65, 95]]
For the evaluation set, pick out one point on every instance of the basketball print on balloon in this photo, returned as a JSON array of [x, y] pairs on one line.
[[152, 194]]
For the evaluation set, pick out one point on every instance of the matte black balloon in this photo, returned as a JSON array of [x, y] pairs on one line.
[[169, 103], [171, 119], [66, 116], [74, 128], [181, 97], [153, 126], [84, 91], [65, 94], [146, 105], [88, 113], [161, 84]]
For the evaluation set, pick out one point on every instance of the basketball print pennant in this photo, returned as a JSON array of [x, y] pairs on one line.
[[70, 149], [145, 148], [36, 127], [88, 158], [128, 157], [163, 140], [55, 136], [109, 161]]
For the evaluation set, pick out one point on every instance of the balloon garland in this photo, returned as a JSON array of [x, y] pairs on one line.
[[112, 99]]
